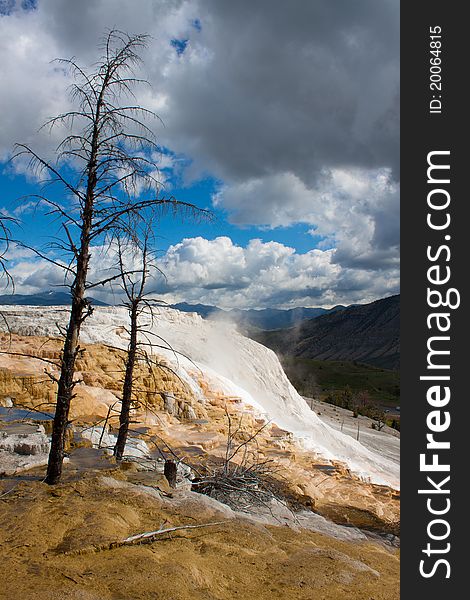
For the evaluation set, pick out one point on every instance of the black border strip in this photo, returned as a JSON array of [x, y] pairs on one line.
[[423, 132]]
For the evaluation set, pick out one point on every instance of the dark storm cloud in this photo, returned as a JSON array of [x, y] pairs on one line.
[[291, 87], [283, 96], [293, 106]]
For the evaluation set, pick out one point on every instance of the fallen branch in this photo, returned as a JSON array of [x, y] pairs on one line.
[[139, 538], [150, 534]]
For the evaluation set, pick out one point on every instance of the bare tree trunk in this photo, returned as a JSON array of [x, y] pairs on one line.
[[66, 381], [124, 417], [107, 154], [64, 398], [170, 471], [80, 309]]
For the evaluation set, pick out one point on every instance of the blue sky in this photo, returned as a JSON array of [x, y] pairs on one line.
[[35, 227], [282, 120]]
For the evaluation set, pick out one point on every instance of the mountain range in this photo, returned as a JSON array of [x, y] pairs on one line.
[[49, 298], [368, 333], [266, 318]]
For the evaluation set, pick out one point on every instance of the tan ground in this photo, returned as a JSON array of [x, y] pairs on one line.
[[47, 538], [43, 529]]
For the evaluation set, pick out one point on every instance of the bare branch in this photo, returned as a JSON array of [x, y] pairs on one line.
[[105, 166], [151, 534], [45, 257], [24, 149]]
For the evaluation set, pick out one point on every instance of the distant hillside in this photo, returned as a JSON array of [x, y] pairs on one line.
[[274, 318], [203, 310], [50, 298], [248, 320], [267, 318], [368, 333]]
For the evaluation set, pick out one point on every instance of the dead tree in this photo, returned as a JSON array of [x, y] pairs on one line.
[[141, 309], [380, 419], [105, 167], [133, 285], [5, 237]]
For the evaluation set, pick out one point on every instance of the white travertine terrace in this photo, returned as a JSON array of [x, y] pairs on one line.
[[231, 363]]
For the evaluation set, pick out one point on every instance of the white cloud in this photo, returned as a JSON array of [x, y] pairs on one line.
[[355, 209], [266, 274], [35, 89], [294, 107], [221, 273], [261, 88]]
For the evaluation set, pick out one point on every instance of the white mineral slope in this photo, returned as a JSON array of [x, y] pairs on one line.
[[232, 364]]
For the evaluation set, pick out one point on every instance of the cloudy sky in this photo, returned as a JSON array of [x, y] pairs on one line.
[[281, 117]]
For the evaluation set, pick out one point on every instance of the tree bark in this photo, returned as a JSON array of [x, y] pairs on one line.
[[64, 393], [69, 356], [124, 417], [77, 315], [170, 471]]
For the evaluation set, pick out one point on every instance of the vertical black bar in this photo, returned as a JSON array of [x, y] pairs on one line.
[[423, 132]]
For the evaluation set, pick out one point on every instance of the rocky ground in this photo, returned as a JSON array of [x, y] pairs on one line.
[[60, 542]]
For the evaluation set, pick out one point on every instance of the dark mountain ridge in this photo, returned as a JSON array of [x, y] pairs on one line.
[[264, 318], [49, 298], [368, 333]]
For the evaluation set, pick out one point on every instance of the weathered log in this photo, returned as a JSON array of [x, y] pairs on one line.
[[170, 470]]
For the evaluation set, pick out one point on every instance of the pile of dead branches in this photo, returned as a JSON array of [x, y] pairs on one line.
[[243, 479], [240, 487]]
